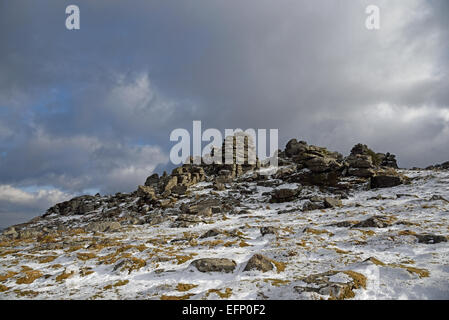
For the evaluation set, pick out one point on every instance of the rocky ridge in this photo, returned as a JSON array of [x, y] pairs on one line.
[[232, 221]]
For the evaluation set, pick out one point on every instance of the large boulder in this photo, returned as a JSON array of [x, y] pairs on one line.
[[373, 222], [152, 180], [283, 195], [76, 206], [337, 285], [260, 263], [385, 181], [388, 160], [146, 192], [214, 265], [430, 238]]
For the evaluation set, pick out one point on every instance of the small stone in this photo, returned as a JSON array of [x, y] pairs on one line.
[[332, 202], [268, 230], [211, 233]]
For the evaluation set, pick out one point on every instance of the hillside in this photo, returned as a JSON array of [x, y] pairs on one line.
[[320, 226]]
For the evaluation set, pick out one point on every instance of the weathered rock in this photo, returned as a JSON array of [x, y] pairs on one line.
[[268, 230], [152, 181], [294, 147], [442, 166], [214, 265], [211, 233], [146, 192], [373, 222], [185, 221], [129, 264], [322, 164], [218, 186], [76, 206], [385, 181], [156, 219], [283, 195], [260, 263], [102, 226], [27, 233], [430, 238], [11, 233], [332, 202], [438, 198], [328, 284], [360, 161], [179, 189], [387, 160], [170, 183], [310, 206], [361, 172]]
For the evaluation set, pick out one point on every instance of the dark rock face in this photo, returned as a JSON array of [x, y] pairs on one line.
[[214, 265], [260, 263], [332, 202], [76, 206], [268, 230], [211, 233], [283, 195], [430, 238], [442, 166], [146, 192], [313, 205], [388, 160], [373, 222], [360, 161], [152, 180], [385, 181]]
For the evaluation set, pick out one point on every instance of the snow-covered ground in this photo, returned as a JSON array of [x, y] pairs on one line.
[[396, 266]]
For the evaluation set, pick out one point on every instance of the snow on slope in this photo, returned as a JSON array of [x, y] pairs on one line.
[[150, 265]]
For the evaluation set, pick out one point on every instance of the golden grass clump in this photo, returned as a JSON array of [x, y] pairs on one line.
[[183, 287], [84, 256], [29, 277], [224, 295], [184, 297], [64, 275]]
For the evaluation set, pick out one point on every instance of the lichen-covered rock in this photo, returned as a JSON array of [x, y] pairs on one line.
[[385, 181], [332, 202], [102, 226], [152, 181], [260, 263], [283, 195], [146, 192], [430, 238], [214, 265], [373, 222], [268, 230], [337, 285]]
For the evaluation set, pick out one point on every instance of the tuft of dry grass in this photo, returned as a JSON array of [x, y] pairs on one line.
[[29, 276], [183, 287]]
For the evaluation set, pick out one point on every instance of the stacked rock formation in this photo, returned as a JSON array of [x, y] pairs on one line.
[[360, 162], [388, 160], [323, 166], [238, 155]]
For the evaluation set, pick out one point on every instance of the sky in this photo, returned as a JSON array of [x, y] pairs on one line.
[[91, 110]]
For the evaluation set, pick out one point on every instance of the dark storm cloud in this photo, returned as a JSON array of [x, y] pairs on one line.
[[93, 108]]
